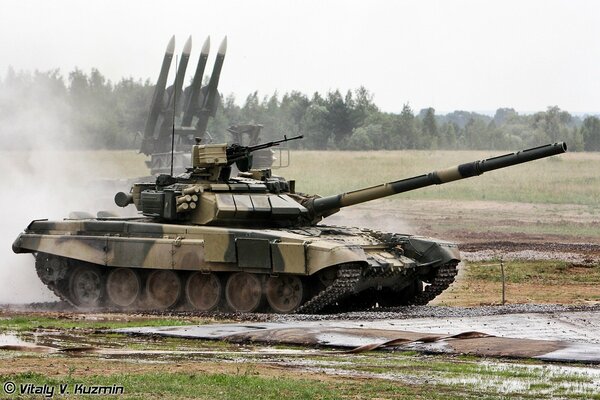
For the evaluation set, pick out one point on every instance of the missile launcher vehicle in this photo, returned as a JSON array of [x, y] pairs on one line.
[[208, 241], [178, 116]]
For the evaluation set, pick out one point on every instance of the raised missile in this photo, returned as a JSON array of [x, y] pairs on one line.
[[193, 95], [209, 107], [157, 100], [210, 103], [179, 78]]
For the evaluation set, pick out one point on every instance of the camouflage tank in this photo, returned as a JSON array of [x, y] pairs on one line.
[[241, 243]]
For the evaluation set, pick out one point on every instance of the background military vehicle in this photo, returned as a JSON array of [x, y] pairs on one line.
[[177, 116], [212, 240]]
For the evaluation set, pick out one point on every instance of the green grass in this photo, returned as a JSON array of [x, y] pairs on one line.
[[32, 322], [558, 227], [244, 385], [565, 179], [108, 164], [382, 375], [537, 272]]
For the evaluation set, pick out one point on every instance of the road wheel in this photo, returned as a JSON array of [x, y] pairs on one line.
[[163, 289], [123, 287], [203, 291], [284, 293], [85, 287], [243, 292]]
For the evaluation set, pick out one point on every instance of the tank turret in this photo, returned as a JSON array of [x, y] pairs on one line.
[[207, 195]]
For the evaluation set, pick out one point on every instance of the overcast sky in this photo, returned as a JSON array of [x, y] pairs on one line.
[[470, 55]]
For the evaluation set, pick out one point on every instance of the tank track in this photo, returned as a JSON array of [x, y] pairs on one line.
[[442, 280], [444, 277], [54, 273], [61, 272], [347, 278]]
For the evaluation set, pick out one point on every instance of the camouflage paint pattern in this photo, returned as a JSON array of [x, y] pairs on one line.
[[195, 248]]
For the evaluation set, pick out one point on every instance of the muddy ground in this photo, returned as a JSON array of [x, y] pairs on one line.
[[486, 225]]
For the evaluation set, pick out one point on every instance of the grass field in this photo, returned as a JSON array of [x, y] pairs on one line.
[[158, 367], [480, 283], [570, 178]]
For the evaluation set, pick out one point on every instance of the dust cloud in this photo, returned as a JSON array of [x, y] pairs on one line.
[[371, 217], [43, 175]]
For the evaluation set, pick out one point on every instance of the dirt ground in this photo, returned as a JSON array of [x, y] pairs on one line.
[[548, 232]]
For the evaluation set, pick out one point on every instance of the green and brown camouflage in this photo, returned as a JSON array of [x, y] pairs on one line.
[[210, 240]]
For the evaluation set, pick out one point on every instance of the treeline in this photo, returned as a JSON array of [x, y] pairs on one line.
[[88, 111]]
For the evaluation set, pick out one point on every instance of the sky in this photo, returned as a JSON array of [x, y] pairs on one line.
[[450, 55]]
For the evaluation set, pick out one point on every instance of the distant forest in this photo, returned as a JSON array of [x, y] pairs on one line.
[[93, 112]]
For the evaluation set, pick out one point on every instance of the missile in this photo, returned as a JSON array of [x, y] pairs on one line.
[[157, 100], [179, 78], [210, 103], [194, 89], [209, 107]]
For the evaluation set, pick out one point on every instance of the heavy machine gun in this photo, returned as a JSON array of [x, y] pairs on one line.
[[242, 155]]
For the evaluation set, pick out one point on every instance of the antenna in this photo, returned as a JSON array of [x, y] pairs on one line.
[[173, 128]]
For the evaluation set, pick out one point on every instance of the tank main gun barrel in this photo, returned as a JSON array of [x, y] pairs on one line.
[[327, 205]]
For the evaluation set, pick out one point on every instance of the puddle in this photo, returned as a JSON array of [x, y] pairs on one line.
[[533, 379], [10, 339]]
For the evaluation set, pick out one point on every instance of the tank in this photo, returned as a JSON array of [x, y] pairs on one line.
[[205, 240]]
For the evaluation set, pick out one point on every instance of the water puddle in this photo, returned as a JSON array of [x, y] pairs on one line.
[[512, 379], [11, 339]]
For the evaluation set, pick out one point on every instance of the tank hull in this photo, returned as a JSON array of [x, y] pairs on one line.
[[318, 260]]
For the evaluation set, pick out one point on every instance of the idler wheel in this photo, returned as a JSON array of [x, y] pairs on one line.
[[163, 288], [123, 287], [284, 293], [203, 291], [51, 268], [85, 286], [243, 292]]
